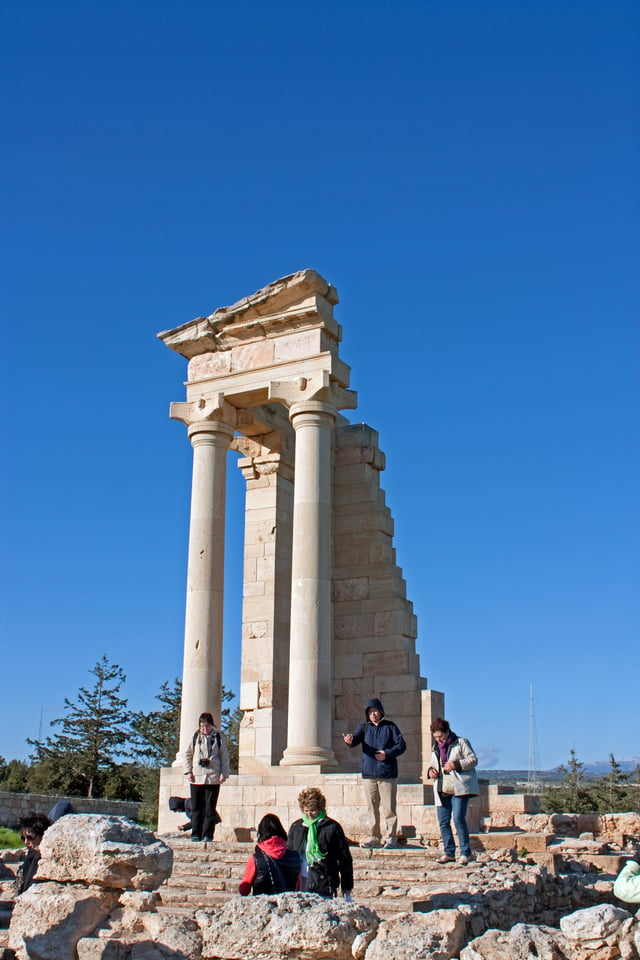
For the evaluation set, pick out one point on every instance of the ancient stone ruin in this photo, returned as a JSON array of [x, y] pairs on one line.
[[101, 893], [326, 620]]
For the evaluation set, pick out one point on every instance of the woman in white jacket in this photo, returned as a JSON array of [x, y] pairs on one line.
[[206, 766], [453, 768]]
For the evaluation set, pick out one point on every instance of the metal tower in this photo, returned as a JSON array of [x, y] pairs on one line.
[[532, 779]]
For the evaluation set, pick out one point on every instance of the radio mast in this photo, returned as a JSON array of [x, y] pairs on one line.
[[532, 779]]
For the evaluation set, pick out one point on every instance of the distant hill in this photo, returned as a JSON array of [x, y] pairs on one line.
[[603, 766], [591, 770], [518, 776]]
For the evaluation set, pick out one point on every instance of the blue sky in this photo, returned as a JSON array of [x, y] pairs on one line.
[[466, 175]]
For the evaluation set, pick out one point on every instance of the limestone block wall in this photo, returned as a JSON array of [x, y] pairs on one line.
[[14, 806], [375, 629], [244, 800], [266, 613]]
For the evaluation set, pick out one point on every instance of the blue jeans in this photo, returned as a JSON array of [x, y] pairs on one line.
[[457, 806]]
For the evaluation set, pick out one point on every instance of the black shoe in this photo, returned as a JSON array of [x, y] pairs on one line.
[[207, 839]]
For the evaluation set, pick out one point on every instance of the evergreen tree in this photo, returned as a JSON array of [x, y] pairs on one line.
[[156, 735], [13, 775], [94, 735], [610, 790], [573, 795], [231, 730]]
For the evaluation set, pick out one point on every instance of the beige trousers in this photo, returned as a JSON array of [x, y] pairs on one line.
[[381, 802]]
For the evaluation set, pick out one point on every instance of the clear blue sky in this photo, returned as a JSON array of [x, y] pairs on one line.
[[466, 174]]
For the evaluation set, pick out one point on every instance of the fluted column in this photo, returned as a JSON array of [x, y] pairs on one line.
[[202, 669]]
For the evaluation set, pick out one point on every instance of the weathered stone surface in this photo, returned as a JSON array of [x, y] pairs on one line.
[[92, 948], [110, 851], [593, 923], [300, 925], [522, 942], [437, 935], [619, 826], [49, 919], [141, 900], [178, 934]]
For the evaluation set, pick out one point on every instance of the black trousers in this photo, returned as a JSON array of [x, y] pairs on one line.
[[204, 797]]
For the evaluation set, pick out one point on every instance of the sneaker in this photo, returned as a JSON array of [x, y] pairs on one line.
[[370, 844], [445, 859], [391, 844], [207, 839], [464, 860], [195, 839]]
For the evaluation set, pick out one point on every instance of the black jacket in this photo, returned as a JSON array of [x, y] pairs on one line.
[[276, 875], [385, 736], [333, 844], [27, 870]]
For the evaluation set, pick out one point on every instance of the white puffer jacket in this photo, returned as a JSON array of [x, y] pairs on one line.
[[465, 778], [211, 748]]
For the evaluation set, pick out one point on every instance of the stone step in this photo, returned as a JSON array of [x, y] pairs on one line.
[[531, 842], [387, 881], [186, 902]]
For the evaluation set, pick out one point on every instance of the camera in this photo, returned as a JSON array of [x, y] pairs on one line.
[[204, 763]]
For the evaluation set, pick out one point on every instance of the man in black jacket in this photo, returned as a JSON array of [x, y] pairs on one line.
[[323, 846], [382, 744]]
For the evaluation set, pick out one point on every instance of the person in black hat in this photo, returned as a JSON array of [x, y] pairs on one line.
[[382, 744]]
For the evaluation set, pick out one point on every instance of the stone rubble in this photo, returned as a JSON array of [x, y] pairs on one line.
[[301, 925], [98, 899]]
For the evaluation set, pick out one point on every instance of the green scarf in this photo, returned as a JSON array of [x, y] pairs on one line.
[[313, 852]]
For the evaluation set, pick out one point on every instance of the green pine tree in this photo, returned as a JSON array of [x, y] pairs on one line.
[[94, 735], [156, 735], [611, 790]]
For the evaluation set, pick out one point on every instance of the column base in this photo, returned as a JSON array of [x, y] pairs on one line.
[[304, 756]]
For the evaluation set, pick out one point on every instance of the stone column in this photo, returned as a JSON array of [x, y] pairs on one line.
[[202, 670], [310, 684]]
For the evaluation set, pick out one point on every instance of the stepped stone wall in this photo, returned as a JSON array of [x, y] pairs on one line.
[[14, 806]]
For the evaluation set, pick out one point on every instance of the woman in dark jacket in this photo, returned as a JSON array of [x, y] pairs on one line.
[[32, 829], [273, 868], [323, 845]]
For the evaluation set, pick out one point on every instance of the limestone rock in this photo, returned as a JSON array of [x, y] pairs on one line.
[[437, 935], [49, 919], [619, 826], [524, 942], [300, 925], [179, 935], [626, 939], [91, 948], [360, 944], [593, 923], [110, 851], [532, 822], [141, 900]]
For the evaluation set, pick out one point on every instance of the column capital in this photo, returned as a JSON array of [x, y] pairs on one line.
[[208, 415], [312, 393]]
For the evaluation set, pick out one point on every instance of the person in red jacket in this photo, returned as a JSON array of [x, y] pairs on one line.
[[272, 868]]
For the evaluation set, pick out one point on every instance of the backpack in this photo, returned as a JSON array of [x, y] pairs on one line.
[[319, 880], [197, 734]]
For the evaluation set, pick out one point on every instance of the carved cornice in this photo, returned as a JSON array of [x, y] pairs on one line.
[[303, 299]]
